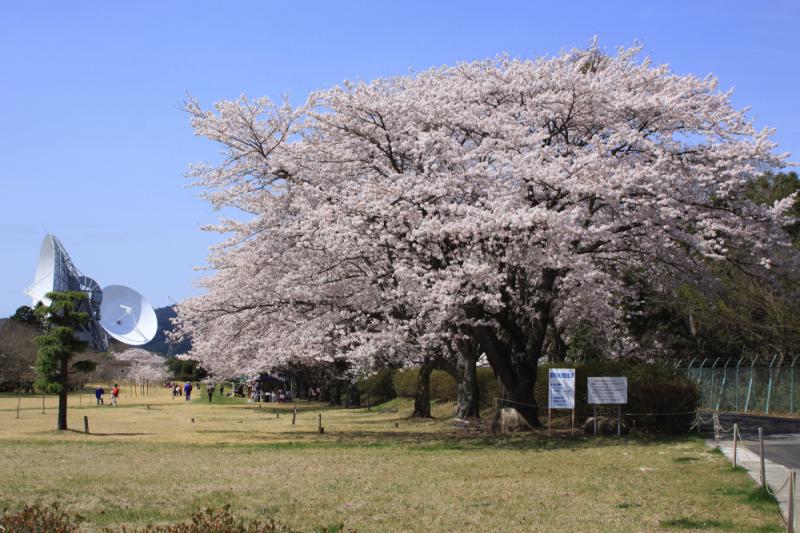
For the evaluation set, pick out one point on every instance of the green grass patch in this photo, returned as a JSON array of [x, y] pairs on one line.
[[374, 470]]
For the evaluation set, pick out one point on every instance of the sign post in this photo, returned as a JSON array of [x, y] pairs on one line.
[[608, 390], [561, 393]]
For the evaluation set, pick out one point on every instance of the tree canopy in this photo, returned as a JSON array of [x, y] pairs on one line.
[[487, 204]]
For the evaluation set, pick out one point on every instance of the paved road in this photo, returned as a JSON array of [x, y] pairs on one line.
[[781, 436]]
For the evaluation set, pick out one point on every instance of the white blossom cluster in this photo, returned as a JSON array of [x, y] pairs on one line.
[[145, 366], [384, 220]]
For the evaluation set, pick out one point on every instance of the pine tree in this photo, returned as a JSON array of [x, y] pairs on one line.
[[59, 344]]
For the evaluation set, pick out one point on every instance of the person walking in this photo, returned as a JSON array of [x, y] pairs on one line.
[[210, 390], [187, 391], [98, 394], [114, 394]]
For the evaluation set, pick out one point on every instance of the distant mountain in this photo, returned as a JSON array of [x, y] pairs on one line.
[[160, 343]]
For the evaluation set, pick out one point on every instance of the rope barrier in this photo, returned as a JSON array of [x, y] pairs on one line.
[[517, 403], [718, 429], [503, 400], [660, 414], [766, 485]]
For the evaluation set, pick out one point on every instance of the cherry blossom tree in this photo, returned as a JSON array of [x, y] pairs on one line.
[[145, 366], [470, 209]]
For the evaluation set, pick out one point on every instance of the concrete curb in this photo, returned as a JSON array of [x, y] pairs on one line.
[[776, 474]]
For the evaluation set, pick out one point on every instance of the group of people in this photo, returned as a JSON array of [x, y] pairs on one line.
[[184, 391], [99, 392], [279, 395]]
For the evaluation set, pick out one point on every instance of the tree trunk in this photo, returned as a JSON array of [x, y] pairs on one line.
[[353, 397], [519, 394], [62, 394], [422, 397], [516, 374], [335, 394], [468, 391]]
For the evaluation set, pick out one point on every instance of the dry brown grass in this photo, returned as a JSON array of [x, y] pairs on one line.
[[373, 470]]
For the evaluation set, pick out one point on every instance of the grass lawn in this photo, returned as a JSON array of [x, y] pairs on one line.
[[372, 470]]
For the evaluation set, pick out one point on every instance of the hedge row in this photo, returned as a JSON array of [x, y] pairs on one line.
[[658, 399], [654, 391], [387, 384]]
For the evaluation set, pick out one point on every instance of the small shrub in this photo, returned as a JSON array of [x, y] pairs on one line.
[[443, 387], [222, 521], [405, 382], [487, 385], [38, 519], [379, 387]]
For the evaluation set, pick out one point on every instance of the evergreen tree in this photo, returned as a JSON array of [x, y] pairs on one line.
[[59, 344]]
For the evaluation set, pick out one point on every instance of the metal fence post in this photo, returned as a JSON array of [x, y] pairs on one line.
[[750, 385], [737, 381], [763, 469], [769, 385], [724, 379], [791, 387], [735, 442], [711, 385], [700, 373]]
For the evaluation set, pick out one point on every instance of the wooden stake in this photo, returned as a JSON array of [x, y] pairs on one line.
[[573, 420], [294, 415], [735, 443], [619, 420], [320, 428], [86, 424], [548, 421], [594, 410]]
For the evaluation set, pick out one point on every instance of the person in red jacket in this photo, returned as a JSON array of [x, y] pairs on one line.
[[114, 394]]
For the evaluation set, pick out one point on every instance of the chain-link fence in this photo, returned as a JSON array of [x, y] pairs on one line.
[[746, 384]]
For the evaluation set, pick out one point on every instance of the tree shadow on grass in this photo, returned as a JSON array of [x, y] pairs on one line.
[[694, 523], [439, 441], [93, 434]]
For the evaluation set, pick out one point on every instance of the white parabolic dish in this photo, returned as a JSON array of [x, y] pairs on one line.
[[127, 316], [45, 272]]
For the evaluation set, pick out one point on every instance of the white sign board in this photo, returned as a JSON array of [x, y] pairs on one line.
[[562, 388], [608, 390]]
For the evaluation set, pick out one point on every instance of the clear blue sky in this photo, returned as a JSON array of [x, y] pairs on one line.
[[93, 145]]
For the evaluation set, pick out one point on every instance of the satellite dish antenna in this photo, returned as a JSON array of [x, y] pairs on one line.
[[45, 272], [123, 313], [127, 316]]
